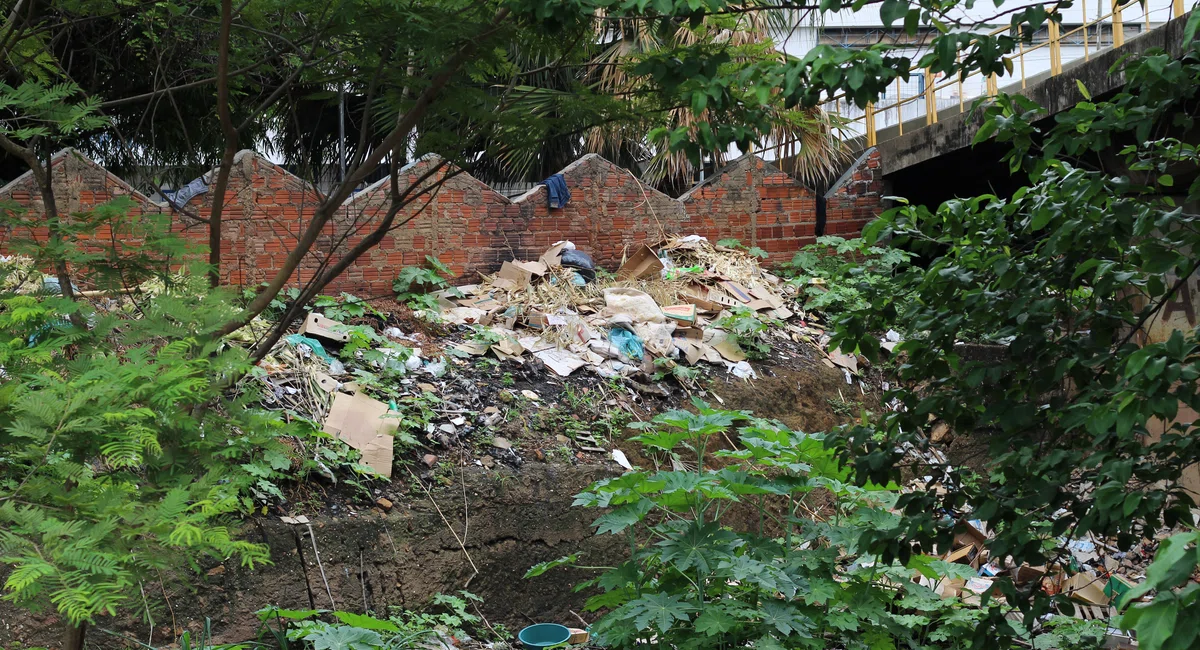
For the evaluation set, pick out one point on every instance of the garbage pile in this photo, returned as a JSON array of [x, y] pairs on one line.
[[1092, 572], [671, 302]]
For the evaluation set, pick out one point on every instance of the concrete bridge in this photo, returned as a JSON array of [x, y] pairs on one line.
[[930, 163]]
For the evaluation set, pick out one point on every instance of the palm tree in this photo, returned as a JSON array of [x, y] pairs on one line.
[[809, 137]]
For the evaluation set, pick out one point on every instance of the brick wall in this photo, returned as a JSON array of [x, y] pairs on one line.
[[856, 198], [473, 228]]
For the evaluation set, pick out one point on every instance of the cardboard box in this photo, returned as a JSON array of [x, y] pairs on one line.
[[681, 313], [320, 327], [969, 534], [644, 262], [361, 422]]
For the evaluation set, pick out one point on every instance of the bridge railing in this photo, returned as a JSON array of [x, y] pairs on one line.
[[864, 121]]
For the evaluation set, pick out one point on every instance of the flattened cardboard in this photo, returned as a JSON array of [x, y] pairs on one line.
[[742, 294], [697, 294], [486, 303], [320, 327], [327, 383], [765, 294], [521, 273], [758, 305], [850, 363], [723, 299], [729, 349], [690, 349], [359, 421], [562, 362], [1086, 587], [473, 348], [964, 555], [783, 313], [681, 313], [641, 264], [510, 346]]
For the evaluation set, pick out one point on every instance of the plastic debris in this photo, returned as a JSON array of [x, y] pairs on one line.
[[627, 343], [306, 346]]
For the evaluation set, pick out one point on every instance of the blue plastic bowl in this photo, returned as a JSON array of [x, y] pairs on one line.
[[543, 635]]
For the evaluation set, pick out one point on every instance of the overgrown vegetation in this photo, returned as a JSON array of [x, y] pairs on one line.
[[763, 551], [1086, 403], [415, 285], [123, 453], [837, 275], [120, 452], [749, 330], [446, 619]]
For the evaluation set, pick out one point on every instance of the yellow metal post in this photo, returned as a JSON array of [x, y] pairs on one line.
[[899, 110], [1055, 50], [993, 88], [930, 99], [1178, 7], [961, 100], [1021, 56], [1118, 25], [1084, 26], [869, 115]]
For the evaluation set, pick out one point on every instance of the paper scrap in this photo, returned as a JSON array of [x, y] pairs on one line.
[[562, 362]]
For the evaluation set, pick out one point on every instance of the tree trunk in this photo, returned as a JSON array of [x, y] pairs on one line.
[[231, 144], [73, 639]]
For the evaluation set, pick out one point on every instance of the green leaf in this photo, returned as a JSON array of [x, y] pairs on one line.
[[342, 637], [660, 610], [365, 622], [1189, 30], [542, 567], [714, 621], [1083, 89], [892, 10], [1155, 623]]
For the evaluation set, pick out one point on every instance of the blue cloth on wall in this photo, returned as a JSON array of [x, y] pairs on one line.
[[556, 188]]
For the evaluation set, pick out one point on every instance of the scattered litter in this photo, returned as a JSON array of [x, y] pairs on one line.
[[298, 519], [742, 370], [307, 346], [619, 456], [528, 394], [562, 362], [627, 343]]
